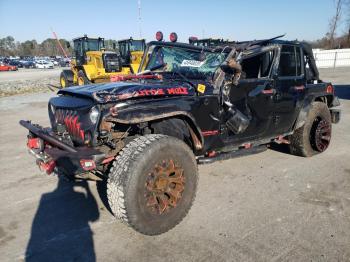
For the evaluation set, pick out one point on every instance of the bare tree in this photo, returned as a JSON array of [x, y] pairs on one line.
[[347, 21], [334, 22]]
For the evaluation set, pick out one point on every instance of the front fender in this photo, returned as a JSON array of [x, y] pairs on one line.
[[149, 112]]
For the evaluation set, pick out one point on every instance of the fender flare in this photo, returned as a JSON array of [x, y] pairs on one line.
[[304, 111], [143, 115]]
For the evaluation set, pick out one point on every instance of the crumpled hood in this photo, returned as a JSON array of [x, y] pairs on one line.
[[109, 92]]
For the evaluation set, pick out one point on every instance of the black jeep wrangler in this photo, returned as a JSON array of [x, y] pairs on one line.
[[145, 133]]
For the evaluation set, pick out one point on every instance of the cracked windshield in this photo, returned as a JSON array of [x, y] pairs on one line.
[[190, 63]]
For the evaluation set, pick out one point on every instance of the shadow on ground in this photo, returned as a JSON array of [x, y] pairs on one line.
[[60, 229]]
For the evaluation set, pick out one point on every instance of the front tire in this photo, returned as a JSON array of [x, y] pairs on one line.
[[315, 135], [152, 183], [64, 82], [82, 79]]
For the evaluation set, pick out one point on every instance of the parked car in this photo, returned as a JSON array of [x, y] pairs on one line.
[[42, 64], [16, 63], [54, 62], [7, 67], [28, 63], [65, 62]]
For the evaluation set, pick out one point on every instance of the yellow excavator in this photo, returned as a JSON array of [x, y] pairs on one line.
[[93, 64]]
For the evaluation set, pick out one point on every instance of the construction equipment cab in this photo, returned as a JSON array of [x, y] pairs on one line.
[[131, 52], [92, 63]]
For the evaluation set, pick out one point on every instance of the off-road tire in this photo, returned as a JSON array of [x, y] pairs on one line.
[[301, 141], [82, 79], [64, 82], [126, 185]]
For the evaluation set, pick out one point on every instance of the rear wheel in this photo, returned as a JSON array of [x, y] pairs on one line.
[[152, 183], [64, 82], [315, 135], [82, 79]]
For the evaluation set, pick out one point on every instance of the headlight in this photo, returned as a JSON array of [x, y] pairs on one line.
[[93, 115]]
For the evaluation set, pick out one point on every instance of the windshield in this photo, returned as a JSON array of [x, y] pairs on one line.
[[137, 45], [188, 62], [93, 45]]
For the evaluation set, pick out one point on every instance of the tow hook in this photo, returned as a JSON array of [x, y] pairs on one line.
[[47, 167]]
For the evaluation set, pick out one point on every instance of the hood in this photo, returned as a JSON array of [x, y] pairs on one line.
[[110, 92]]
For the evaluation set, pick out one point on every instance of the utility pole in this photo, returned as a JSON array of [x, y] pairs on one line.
[[139, 9]]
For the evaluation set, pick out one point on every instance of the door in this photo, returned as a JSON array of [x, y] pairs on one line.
[[254, 94], [290, 89]]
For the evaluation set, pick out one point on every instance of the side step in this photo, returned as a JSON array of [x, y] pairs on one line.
[[232, 154]]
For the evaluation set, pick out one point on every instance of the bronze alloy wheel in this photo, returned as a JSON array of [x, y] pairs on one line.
[[321, 135], [164, 187]]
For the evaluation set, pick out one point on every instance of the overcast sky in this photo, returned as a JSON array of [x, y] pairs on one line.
[[235, 19]]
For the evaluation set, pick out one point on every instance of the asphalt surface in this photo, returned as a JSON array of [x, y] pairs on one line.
[[267, 207]]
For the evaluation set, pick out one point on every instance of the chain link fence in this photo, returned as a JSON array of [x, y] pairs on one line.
[[332, 58]]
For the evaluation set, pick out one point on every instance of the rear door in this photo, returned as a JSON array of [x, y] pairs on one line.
[[290, 89]]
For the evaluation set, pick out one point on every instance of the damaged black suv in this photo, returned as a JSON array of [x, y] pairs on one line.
[[188, 105]]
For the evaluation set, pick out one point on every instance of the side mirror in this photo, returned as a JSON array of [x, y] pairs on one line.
[[67, 44], [114, 46]]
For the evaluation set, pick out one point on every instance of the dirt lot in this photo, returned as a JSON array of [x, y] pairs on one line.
[[28, 81], [266, 207]]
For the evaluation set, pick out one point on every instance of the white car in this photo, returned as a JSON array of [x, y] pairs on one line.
[[42, 64], [54, 62]]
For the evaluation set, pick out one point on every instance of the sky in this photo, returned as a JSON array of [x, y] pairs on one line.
[[115, 19]]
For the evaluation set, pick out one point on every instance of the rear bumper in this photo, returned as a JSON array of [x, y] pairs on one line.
[[53, 154]]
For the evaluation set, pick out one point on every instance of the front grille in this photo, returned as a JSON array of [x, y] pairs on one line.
[[70, 119], [111, 63]]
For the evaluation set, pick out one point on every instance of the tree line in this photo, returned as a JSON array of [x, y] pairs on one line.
[[49, 47]]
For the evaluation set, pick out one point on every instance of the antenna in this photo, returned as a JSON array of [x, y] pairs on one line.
[[139, 9]]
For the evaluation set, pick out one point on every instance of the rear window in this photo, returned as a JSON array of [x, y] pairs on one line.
[[290, 61]]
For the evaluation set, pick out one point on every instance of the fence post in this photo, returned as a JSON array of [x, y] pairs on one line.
[[335, 59]]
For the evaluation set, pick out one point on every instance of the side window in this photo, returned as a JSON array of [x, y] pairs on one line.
[[298, 61], [258, 66], [290, 61]]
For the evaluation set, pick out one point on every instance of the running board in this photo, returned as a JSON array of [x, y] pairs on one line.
[[232, 154]]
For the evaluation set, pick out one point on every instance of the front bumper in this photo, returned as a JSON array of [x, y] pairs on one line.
[[55, 155]]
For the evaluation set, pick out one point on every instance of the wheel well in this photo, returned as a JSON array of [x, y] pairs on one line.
[[327, 99], [179, 127]]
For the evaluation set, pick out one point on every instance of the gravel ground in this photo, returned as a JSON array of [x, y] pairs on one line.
[[267, 207], [28, 81]]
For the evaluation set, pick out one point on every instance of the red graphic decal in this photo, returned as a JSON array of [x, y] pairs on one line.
[[177, 91], [155, 92]]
